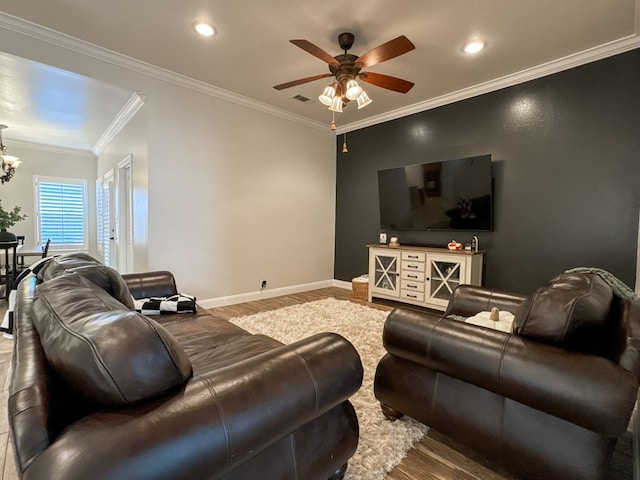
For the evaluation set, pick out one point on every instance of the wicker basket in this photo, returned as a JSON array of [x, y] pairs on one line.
[[360, 287]]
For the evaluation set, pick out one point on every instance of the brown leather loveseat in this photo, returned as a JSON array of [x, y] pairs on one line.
[[547, 401], [101, 392]]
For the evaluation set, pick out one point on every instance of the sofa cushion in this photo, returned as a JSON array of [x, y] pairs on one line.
[[571, 311], [105, 277], [109, 354]]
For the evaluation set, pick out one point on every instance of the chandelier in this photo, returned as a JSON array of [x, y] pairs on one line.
[[9, 162]]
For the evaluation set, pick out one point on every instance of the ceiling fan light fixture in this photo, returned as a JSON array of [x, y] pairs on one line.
[[327, 96], [363, 100], [203, 28], [353, 90], [336, 105]]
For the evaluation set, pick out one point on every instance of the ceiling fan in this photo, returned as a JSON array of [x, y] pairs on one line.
[[346, 68]]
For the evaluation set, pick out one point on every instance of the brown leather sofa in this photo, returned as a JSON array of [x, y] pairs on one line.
[[547, 401], [99, 391]]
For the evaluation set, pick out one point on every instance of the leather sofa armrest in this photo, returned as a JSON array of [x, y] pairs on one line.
[[218, 421], [467, 300], [587, 390], [159, 283]]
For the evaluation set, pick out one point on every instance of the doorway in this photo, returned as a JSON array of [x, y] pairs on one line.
[[124, 215]]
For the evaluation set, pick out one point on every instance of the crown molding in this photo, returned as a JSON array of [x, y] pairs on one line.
[[40, 147], [615, 47], [68, 42], [135, 103], [62, 40]]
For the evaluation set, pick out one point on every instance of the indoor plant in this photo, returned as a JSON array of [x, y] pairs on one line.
[[7, 220]]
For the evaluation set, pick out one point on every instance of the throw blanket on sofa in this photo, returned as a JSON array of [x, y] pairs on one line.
[[179, 303], [617, 285]]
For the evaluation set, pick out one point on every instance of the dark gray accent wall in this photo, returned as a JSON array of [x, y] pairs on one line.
[[566, 168]]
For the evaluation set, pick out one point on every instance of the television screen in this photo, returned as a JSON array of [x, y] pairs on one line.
[[449, 195]]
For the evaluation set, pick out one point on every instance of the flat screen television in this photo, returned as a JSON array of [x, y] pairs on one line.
[[449, 195]]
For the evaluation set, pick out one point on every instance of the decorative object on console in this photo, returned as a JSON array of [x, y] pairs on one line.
[[9, 162], [394, 242], [475, 244], [453, 245]]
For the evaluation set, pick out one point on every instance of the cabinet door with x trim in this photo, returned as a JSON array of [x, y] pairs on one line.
[[444, 275], [385, 266]]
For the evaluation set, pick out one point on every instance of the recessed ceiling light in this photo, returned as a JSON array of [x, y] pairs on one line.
[[203, 28], [473, 46]]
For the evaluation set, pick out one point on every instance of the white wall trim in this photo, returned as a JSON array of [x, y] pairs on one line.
[[342, 284], [276, 292], [271, 293], [85, 48], [41, 147], [68, 42], [124, 116], [591, 55], [262, 294]]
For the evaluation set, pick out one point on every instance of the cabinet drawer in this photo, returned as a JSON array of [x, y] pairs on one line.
[[414, 256], [412, 275], [412, 266], [412, 286], [415, 296]]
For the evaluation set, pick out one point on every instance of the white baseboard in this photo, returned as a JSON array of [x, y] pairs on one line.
[[270, 293], [342, 284]]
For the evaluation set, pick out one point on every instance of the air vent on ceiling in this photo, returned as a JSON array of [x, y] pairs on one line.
[[301, 98]]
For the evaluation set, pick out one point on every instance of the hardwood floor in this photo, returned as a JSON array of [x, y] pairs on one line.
[[435, 457]]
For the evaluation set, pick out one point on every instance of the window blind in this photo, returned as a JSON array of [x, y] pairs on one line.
[[61, 208]]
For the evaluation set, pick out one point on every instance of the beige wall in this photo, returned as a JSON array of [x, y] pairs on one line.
[[52, 163], [235, 195], [133, 140]]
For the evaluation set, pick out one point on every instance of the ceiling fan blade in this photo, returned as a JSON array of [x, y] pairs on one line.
[[386, 81], [386, 51], [309, 47], [282, 86]]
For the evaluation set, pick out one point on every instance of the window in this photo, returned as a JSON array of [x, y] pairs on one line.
[[61, 210]]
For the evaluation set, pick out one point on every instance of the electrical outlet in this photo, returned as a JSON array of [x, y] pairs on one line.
[[263, 284]]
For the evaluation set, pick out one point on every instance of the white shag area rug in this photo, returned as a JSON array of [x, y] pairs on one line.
[[383, 444]]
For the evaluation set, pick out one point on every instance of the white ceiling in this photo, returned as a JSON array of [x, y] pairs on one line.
[[251, 52]]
